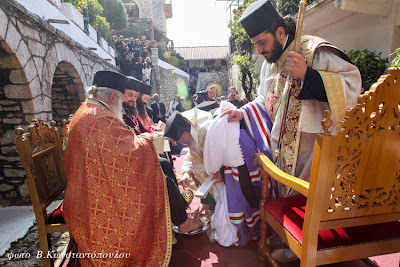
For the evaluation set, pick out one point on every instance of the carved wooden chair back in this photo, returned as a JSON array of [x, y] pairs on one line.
[[357, 172], [64, 127], [355, 182], [40, 152]]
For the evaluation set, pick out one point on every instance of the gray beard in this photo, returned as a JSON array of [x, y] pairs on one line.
[[116, 109]]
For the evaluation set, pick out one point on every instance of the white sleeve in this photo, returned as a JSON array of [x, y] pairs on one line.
[[265, 81], [327, 59], [187, 163]]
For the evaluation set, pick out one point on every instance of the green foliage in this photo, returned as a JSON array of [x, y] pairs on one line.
[[95, 10], [244, 63], [244, 49], [370, 64], [104, 28], [115, 13], [93, 7], [239, 35], [396, 60], [288, 7], [137, 30], [161, 53]]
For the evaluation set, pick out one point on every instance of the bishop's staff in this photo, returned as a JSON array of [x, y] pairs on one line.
[[299, 28]]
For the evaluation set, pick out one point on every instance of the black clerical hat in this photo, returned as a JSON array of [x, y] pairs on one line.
[[144, 88], [208, 105], [110, 79], [176, 125], [133, 83], [258, 17]]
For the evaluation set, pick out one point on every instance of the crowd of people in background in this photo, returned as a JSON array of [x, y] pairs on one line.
[[160, 111], [209, 94], [133, 56]]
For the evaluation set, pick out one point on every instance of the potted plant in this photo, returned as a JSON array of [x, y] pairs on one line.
[[153, 44], [370, 64], [396, 60]]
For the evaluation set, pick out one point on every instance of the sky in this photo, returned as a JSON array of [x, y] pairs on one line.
[[199, 23]]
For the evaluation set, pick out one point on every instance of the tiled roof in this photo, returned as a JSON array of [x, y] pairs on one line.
[[203, 52]]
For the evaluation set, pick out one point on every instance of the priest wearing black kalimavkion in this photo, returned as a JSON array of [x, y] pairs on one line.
[[295, 90], [133, 88], [129, 104]]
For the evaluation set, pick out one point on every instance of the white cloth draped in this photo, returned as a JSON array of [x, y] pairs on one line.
[[226, 234], [221, 147]]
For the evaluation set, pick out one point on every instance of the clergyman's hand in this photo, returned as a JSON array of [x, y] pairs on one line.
[[205, 208], [196, 214], [217, 178], [185, 180], [296, 65], [234, 114]]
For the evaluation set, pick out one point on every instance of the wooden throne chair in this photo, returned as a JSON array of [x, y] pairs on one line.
[[350, 209], [40, 152]]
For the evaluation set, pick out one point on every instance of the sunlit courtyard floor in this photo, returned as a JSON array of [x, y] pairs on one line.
[[193, 250], [199, 251]]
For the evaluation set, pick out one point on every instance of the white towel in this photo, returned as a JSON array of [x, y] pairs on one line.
[[226, 234], [221, 146]]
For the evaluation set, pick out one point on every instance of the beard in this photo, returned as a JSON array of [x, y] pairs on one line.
[[275, 53], [130, 109], [116, 109], [141, 108]]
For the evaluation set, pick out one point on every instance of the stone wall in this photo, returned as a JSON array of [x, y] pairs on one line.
[[167, 80], [66, 92], [153, 10], [16, 108], [159, 20], [43, 73], [170, 83]]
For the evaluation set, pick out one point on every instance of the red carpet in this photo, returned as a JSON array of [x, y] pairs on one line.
[[198, 251]]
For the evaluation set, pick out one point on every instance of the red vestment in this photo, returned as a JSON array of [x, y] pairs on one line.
[[116, 198], [147, 124]]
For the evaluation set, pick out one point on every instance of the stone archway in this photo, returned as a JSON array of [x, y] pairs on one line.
[[35, 60], [67, 91], [16, 109], [132, 8]]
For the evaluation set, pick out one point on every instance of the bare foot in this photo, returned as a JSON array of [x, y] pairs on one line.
[[189, 225]]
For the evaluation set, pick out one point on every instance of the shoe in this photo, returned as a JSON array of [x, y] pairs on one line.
[[284, 255]]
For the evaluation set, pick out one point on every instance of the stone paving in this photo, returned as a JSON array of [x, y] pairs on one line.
[[28, 247]]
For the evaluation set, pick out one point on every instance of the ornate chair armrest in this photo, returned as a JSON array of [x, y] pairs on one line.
[[266, 165]]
